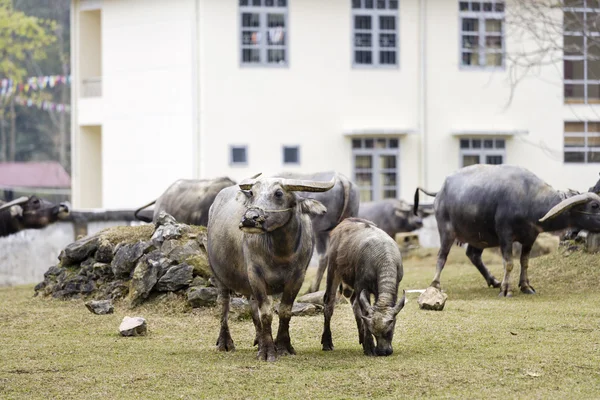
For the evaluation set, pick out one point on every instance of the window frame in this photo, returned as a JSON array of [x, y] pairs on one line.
[[482, 152], [263, 48], [286, 146], [376, 186], [238, 163], [481, 16], [375, 31], [586, 148]]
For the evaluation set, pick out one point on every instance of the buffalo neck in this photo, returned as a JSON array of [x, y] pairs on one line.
[[387, 284], [561, 221], [284, 241], [8, 224]]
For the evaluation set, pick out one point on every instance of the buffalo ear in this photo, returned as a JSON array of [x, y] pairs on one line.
[[311, 206], [16, 211], [400, 213]]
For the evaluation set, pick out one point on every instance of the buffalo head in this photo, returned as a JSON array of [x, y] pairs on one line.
[[33, 213], [271, 202], [583, 211], [404, 219], [380, 322]]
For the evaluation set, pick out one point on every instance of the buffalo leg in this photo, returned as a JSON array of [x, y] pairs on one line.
[[446, 244], [474, 255], [224, 342], [364, 336], [357, 317], [329, 301], [290, 291], [266, 347], [506, 249], [322, 239], [524, 279], [255, 320]]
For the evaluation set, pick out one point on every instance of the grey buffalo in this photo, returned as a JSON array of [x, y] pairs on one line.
[[187, 200], [260, 241], [29, 213], [488, 206], [342, 201], [365, 258], [390, 215]]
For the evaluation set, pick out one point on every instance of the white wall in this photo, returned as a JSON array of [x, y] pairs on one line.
[[147, 48]]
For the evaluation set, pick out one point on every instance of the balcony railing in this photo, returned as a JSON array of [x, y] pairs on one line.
[[91, 87]]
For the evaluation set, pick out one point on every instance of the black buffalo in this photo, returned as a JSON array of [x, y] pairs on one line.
[[29, 213]]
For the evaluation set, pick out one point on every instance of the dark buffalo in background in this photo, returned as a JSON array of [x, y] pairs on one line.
[[187, 200], [342, 201], [29, 212], [391, 216]]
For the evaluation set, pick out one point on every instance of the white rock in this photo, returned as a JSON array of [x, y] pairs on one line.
[[432, 299], [133, 326]]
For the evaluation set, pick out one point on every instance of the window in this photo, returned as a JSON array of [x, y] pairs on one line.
[[482, 151], [264, 32], [291, 154], [376, 167], [582, 142], [239, 155], [581, 52], [482, 33], [375, 32]]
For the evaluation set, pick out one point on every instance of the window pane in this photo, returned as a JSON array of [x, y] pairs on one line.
[[381, 4], [573, 45], [593, 127], [573, 69], [243, 2], [500, 143], [593, 94], [250, 38], [290, 155], [487, 6], [573, 3], [387, 23], [393, 143], [574, 156], [470, 58], [250, 55], [499, 7], [574, 92], [470, 41], [269, 3], [363, 57], [593, 70], [281, 3], [493, 25], [369, 143], [393, 4], [463, 6], [493, 42], [256, 2], [355, 3], [593, 141], [464, 143], [380, 143], [593, 156], [362, 40], [368, 3], [387, 57], [575, 127], [573, 21], [488, 143], [388, 179], [356, 143], [470, 160], [470, 25], [366, 195], [387, 162], [389, 194], [238, 154], [493, 59], [593, 3], [275, 20], [276, 36], [476, 6], [364, 179], [363, 162], [592, 22], [493, 160], [476, 143], [276, 56], [250, 20], [362, 22], [575, 141]]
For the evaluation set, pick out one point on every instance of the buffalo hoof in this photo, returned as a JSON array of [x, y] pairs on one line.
[[225, 344], [267, 353], [285, 350], [527, 289], [505, 293], [495, 283], [436, 285]]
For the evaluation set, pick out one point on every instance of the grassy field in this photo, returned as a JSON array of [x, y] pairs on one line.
[[480, 346]]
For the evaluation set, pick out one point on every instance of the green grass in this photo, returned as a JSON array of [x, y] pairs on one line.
[[480, 346]]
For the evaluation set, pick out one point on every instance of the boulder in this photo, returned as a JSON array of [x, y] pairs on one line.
[[100, 307], [240, 308], [127, 256], [176, 277], [133, 326], [432, 299], [312, 298], [304, 309], [202, 296], [104, 253], [78, 251], [167, 228], [145, 276]]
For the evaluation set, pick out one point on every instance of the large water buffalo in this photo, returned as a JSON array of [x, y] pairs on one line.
[[488, 206], [390, 215], [29, 212], [365, 258], [342, 201], [187, 200], [260, 241]]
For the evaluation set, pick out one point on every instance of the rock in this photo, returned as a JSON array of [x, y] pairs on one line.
[[167, 228], [176, 277], [78, 251], [202, 296], [115, 290], [305, 309], [145, 276], [199, 281], [164, 219], [432, 299], [240, 308], [100, 307], [133, 326], [104, 253], [127, 256], [313, 298], [53, 271]]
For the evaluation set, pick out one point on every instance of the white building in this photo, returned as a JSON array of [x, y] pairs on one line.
[[393, 93]]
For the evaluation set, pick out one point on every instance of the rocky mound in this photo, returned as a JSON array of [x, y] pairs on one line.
[[132, 262]]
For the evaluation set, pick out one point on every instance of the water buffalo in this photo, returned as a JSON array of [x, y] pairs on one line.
[[365, 258], [488, 206], [342, 201], [390, 215], [260, 241], [29, 213], [187, 200]]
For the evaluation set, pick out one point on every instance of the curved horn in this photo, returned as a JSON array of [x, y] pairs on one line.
[[247, 183], [364, 301], [15, 202], [569, 203], [307, 186], [398, 307]]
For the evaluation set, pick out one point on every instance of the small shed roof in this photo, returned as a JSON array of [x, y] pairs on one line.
[[44, 174]]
